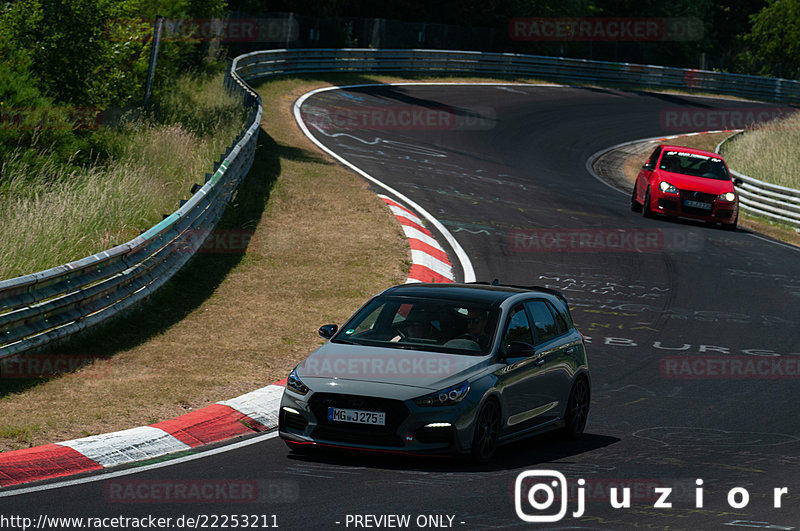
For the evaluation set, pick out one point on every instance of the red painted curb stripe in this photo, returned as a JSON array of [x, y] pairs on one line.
[[42, 462], [418, 245], [424, 274], [211, 424], [409, 223]]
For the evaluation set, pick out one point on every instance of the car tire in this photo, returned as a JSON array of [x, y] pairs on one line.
[[635, 206], [577, 409], [487, 431], [646, 212], [731, 226]]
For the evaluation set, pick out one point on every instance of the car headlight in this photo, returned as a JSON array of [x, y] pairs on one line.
[[445, 397], [667, 188], [294, 383], [728, 196]]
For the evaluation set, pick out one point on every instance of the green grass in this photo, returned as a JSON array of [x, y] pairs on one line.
[[769, 152], [52, 213]]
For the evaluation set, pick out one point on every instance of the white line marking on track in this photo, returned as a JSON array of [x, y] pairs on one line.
[[792, 247], [461, 255]]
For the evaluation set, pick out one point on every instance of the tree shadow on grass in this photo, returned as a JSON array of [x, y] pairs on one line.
[[182, 294]]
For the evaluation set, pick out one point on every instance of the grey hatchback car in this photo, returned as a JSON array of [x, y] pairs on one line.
[[441, 368]]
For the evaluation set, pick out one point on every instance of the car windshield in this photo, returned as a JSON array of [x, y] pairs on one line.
[[422, 324], [695, 165]]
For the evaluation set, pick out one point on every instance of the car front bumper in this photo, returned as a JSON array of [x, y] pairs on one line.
[[409, 429], [676, 205]]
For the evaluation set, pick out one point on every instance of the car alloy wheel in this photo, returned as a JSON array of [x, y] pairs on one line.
[[577, 409], [487, 430]]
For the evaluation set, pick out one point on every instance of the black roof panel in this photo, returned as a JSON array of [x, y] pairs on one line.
[[481, 293]]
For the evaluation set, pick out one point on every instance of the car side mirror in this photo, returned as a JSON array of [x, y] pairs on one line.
[[519, 349], [328, 330], [737, 181]]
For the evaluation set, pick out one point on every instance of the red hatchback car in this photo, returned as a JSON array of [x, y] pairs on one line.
[[688, 183]]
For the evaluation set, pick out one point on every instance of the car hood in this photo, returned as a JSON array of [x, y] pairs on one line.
[[349, 366], [697, 184]]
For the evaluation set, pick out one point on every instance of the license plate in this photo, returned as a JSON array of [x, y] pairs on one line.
[[357, 416], [698, 204]]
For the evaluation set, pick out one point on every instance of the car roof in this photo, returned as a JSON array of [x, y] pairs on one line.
[[483, 293], [684, 149]]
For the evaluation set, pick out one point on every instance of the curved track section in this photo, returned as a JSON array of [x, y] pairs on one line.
[[694, 333]]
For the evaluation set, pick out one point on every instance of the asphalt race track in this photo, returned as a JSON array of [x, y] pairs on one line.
[[694, 334]]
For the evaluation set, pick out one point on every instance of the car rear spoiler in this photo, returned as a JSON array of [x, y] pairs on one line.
[[551, 291]]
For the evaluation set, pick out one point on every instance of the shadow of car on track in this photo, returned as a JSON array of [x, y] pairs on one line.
[[687, 222], [526, 453]]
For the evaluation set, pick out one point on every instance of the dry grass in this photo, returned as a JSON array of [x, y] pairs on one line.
[[56, 214], [323, 244], [768, 152]]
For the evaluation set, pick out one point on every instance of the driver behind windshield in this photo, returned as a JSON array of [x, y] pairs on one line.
[[476, 327]]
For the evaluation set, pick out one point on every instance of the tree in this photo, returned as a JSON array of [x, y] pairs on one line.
[[773, 43]]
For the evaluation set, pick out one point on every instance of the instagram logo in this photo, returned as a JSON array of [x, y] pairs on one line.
[[539, 490]]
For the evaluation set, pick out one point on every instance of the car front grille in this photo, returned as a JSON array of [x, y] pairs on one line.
[[696, 196], [345, 432]]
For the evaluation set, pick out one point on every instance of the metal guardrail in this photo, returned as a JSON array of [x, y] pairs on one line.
[[41, 307], [295, 61], [768, 200]]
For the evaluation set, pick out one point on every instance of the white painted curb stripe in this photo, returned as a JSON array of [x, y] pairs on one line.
[[260, 405], [400, 213], [127, 446], [416, 234], [424, 259]]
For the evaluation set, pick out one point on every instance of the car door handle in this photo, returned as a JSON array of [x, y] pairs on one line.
[[539, 361], [570, 351]]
